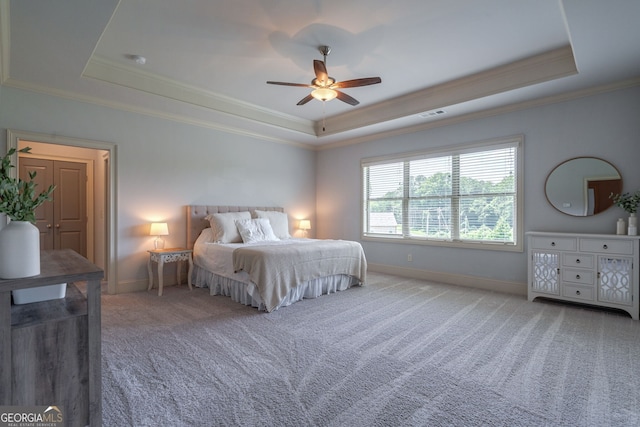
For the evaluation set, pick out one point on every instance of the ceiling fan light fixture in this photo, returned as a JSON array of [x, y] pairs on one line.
[[324, 94], [325, 86]]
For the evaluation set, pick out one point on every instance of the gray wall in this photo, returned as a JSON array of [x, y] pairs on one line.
[[606, 125], [163, 166]]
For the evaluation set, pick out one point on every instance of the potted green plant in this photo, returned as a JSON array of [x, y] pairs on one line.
[[629, 203], [20, 238]]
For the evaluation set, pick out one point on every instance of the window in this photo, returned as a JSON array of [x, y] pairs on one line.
[[468, 196]]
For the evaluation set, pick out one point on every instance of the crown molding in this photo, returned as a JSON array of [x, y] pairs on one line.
[[149, 112], [112, 72], [525, 72], [449, 121]]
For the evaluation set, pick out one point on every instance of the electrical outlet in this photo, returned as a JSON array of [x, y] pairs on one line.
[[409, 257]]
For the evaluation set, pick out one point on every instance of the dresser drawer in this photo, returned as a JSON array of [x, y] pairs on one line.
[[584, 293], [584, 277], [556, 243], [605, 246], [578, 260]]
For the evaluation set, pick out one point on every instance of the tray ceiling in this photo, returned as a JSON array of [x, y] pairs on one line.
[[207, 62]]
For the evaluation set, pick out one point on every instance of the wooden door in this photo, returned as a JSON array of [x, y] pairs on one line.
[[70, 206], [63, 222], [43, 179]]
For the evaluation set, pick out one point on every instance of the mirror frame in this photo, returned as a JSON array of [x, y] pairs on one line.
[[584, 191]]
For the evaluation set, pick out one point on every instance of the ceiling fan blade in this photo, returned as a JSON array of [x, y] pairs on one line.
[[305, 100], [289, 84], [321, 71], [346, 98], [357, 82]]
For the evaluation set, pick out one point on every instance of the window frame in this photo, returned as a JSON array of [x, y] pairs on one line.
[[516, 141]]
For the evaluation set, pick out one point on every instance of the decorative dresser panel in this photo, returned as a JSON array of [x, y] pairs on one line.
[[597, 269]]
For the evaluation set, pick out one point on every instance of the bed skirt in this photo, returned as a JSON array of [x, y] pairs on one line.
[[247, 293]]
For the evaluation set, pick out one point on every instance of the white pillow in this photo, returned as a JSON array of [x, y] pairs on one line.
[[279, 222], [224, 226], [255, 230]]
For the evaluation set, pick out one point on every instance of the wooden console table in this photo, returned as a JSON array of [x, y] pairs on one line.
[[50, 351]]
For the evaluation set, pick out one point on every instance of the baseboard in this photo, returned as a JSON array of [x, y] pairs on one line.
[[453, 279], [414, 273], [131, 286], [143, 284]]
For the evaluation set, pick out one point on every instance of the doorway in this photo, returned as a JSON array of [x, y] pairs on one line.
[[76, 156], [63, 221]]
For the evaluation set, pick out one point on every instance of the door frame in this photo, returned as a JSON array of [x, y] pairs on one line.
[[89, 205], [13, 138]]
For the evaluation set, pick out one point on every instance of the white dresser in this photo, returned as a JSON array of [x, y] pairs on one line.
[[596, 269]]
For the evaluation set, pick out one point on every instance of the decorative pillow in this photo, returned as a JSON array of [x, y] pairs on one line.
[[224, 226], [279, 222], [255, 230]]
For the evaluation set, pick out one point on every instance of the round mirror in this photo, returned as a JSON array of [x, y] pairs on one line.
[[581, 186]]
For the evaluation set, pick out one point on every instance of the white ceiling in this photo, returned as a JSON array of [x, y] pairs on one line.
[[207, 62]]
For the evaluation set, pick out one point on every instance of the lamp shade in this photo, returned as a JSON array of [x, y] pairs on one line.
[[305, 224], [159, 229]]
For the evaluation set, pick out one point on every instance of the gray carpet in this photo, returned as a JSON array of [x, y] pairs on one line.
[[397, 352]]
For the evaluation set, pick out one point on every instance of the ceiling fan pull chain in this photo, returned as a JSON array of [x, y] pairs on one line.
[[323, 116]]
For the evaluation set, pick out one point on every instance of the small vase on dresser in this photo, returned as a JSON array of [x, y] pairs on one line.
[[629, 202], [633, 224]]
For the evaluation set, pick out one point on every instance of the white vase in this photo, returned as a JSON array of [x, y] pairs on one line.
[[19, 250], [633, 224]]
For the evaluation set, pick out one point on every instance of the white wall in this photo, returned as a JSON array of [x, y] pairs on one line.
[[163, 166], [605, 126]]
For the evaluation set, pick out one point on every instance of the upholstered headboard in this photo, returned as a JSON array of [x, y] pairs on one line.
[[196, 214]]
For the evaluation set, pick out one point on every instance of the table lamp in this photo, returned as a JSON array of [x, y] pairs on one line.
[[305, 225], [159, 229]]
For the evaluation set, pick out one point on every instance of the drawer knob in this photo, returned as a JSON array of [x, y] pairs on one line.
[[577, 292], [578, 276], [553, 243], [578, 261], [605, 247]]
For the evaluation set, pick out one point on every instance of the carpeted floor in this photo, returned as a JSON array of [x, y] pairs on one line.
[[397, 352]]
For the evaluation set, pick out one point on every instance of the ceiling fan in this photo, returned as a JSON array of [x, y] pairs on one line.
[[325, 87]]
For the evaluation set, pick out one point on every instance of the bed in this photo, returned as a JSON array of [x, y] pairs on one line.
[[265, 267]]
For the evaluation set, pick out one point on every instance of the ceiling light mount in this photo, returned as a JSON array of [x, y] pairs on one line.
[[324, 50]]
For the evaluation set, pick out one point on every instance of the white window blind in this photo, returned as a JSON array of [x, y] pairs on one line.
[[465, 195]]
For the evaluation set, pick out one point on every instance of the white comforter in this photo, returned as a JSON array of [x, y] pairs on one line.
[[276, 267]]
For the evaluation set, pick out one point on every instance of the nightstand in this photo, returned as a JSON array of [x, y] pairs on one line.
[[162, 256]]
